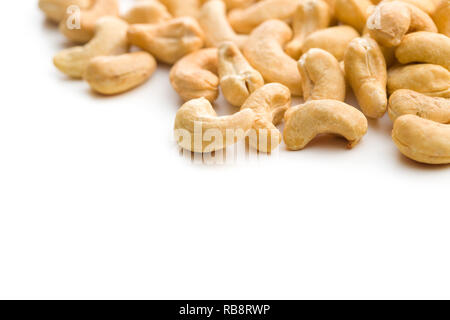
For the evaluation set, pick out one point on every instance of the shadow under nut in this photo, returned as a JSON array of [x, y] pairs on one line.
[[305, 122], [422, 140], [196, 75]]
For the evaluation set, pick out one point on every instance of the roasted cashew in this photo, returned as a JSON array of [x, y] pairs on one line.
[[88, 19], [426, 47], [182, 8], [322, 77], [306, 121], [391, 21], [310, 16], [168, 41], [430, 79], [422, 140], [196, 75], [116, 74], [264, 51], [214, 22], [269, 103], [247, 19], [147, 11], [353, 12], [110, 39], [56, 10], [365, 69], [334, 40], [199, 129], [237, 78], [406, 101], [442, 17]]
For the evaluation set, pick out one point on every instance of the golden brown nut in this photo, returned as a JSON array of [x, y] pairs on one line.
[[353, 12], [442, 17]]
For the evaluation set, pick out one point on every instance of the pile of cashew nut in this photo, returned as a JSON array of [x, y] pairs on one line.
[[393, 54]]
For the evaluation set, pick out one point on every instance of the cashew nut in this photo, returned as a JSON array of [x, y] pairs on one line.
[[195, 75], [427, 6], [88, 18], [182, 8], [116, 74], [365, 69], [237, 78], [55, 10], [168, 41], [353, 12], [199, 129], [406, 101], [264, 51], [334, 40], [426, 47], [322, 77], [213, 20], [390, 21], [269, 103], [110, 39], [432, 80], [233, 4], [310, 16], [422, 140], [247, 19], [305, 122], [442, 17], [147, 11]]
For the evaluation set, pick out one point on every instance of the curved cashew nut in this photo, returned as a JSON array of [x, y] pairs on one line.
[[182, 8], [422, 140], [353, 12], [213, 20], [430, 79], [195, 75], [305, 122], [247, 19], [322, 77], [88, 19], [426, 47], [238, 4], [168, 41], [264, 51], [390, 21], [147, 11], [55, 10], [310, 16], [269, 103], [334, 40], [365, 69], [441, 17], [237, 78], [199, 129], [406, 101], [427, 6], [110, 39], [116, 74]]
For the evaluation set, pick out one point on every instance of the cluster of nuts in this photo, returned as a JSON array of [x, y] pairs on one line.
[[393, 54]]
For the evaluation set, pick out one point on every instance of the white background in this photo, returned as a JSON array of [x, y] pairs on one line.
[[96, 202]]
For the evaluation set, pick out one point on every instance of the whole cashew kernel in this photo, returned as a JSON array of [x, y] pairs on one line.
[[442, 17], [334, 40], [213, 20], [430, 79], [264, 51], [391, 21], [310, 16], [365, 69], [195, 75], [353, 12], [422, 140], [406, 101], [147, 11], [182, 8], [168, 41], [110, 39], [55, 10], [88, 18], [247, 19], [426, 47], [305, 122], [199, 129], [269, 103], [322, 77], [237, 78], [116, 74]]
